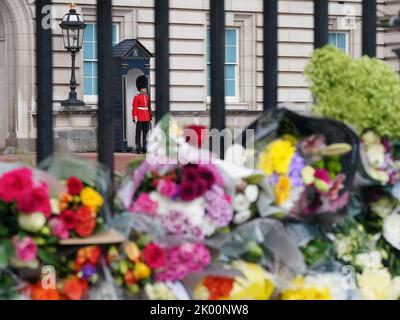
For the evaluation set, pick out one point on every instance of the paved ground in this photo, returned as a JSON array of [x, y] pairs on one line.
[[121, 159]]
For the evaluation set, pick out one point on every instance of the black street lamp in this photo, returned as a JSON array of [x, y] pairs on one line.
[[73, 27]]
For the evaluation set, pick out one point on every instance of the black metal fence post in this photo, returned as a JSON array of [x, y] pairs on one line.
[[162, 57], [44, 80], [217, 39], [321, 23], [105, 112], [369, 26], [270, 54]]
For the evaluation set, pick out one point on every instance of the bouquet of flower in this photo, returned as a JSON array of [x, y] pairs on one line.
[[28, 199], [75, 277], [82, 208], [254, 284], [78, 215], [147, 265], [306, 174], [379, 159], [187, 200]]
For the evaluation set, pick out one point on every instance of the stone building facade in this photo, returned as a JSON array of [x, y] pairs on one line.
[[133, 19]]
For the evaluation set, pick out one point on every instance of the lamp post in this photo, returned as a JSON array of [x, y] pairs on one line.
[[73, 27]]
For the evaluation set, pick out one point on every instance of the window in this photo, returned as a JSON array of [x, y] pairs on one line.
[[339, 40], [231, 64], [90, 75]]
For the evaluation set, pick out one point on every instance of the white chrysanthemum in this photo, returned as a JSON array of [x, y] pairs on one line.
[[251, 192], [391, 230], [241, 203], [369, 260]]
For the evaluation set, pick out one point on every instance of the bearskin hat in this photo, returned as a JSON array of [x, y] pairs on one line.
[[142, 82]]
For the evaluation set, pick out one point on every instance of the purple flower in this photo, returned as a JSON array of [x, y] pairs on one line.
[[88, 271], [219, 210], [295, 168], [178, 224]]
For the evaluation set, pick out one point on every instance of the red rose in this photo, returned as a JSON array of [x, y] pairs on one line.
[[84, 213], [35, 200], [75, 186], [15, 183], [69, 219], [86, 222], [85, 229], [153, 256]]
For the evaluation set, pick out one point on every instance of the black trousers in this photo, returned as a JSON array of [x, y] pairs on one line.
[[142, 129]]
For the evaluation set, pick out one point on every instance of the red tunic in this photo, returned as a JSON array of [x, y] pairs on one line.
[[141, 108]]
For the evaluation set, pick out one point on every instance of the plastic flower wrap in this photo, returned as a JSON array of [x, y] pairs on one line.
[[264, 242], [254, 284], [379, 159], [83, 208]]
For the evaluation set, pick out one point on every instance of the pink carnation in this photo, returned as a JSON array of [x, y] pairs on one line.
[[144, 204], [167, 188], [15, 183], [25, 249], [35, 200], [59, 229]]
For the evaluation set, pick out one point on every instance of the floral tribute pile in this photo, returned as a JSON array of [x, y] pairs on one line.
[[293, 227]]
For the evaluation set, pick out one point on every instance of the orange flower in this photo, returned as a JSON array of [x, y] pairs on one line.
[[218, 287], [86, 221], [85, 255], [75, 288], [66, 198], [282, 190], [39, 293], [129, 278]]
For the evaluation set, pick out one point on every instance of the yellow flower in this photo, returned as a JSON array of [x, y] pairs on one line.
[[300, 290], [277, 157], [142, 271], [132, 251], [91, 198], [282, 190]]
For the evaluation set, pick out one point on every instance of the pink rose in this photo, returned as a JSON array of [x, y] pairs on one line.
[[14, 183], [25, 249], [35, 200], [59, 228], [144, 204], [153, 256], [167, 188]]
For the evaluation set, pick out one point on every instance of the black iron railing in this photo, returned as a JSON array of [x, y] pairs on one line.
[[217, 27]]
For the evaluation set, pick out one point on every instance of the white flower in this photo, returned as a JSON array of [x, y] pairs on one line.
[[251, 192], [55, 206], [377, 284], [369, 260], [32, 222], [159, 291], [376, 155], [242, 217], [241, 203], [342, 246], [391, 230], [370, 138], [236, 154]]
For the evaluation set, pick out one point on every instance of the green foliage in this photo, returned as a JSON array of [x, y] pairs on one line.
[[362, 92]]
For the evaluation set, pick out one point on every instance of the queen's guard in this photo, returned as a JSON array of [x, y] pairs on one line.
[[142, 114]]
